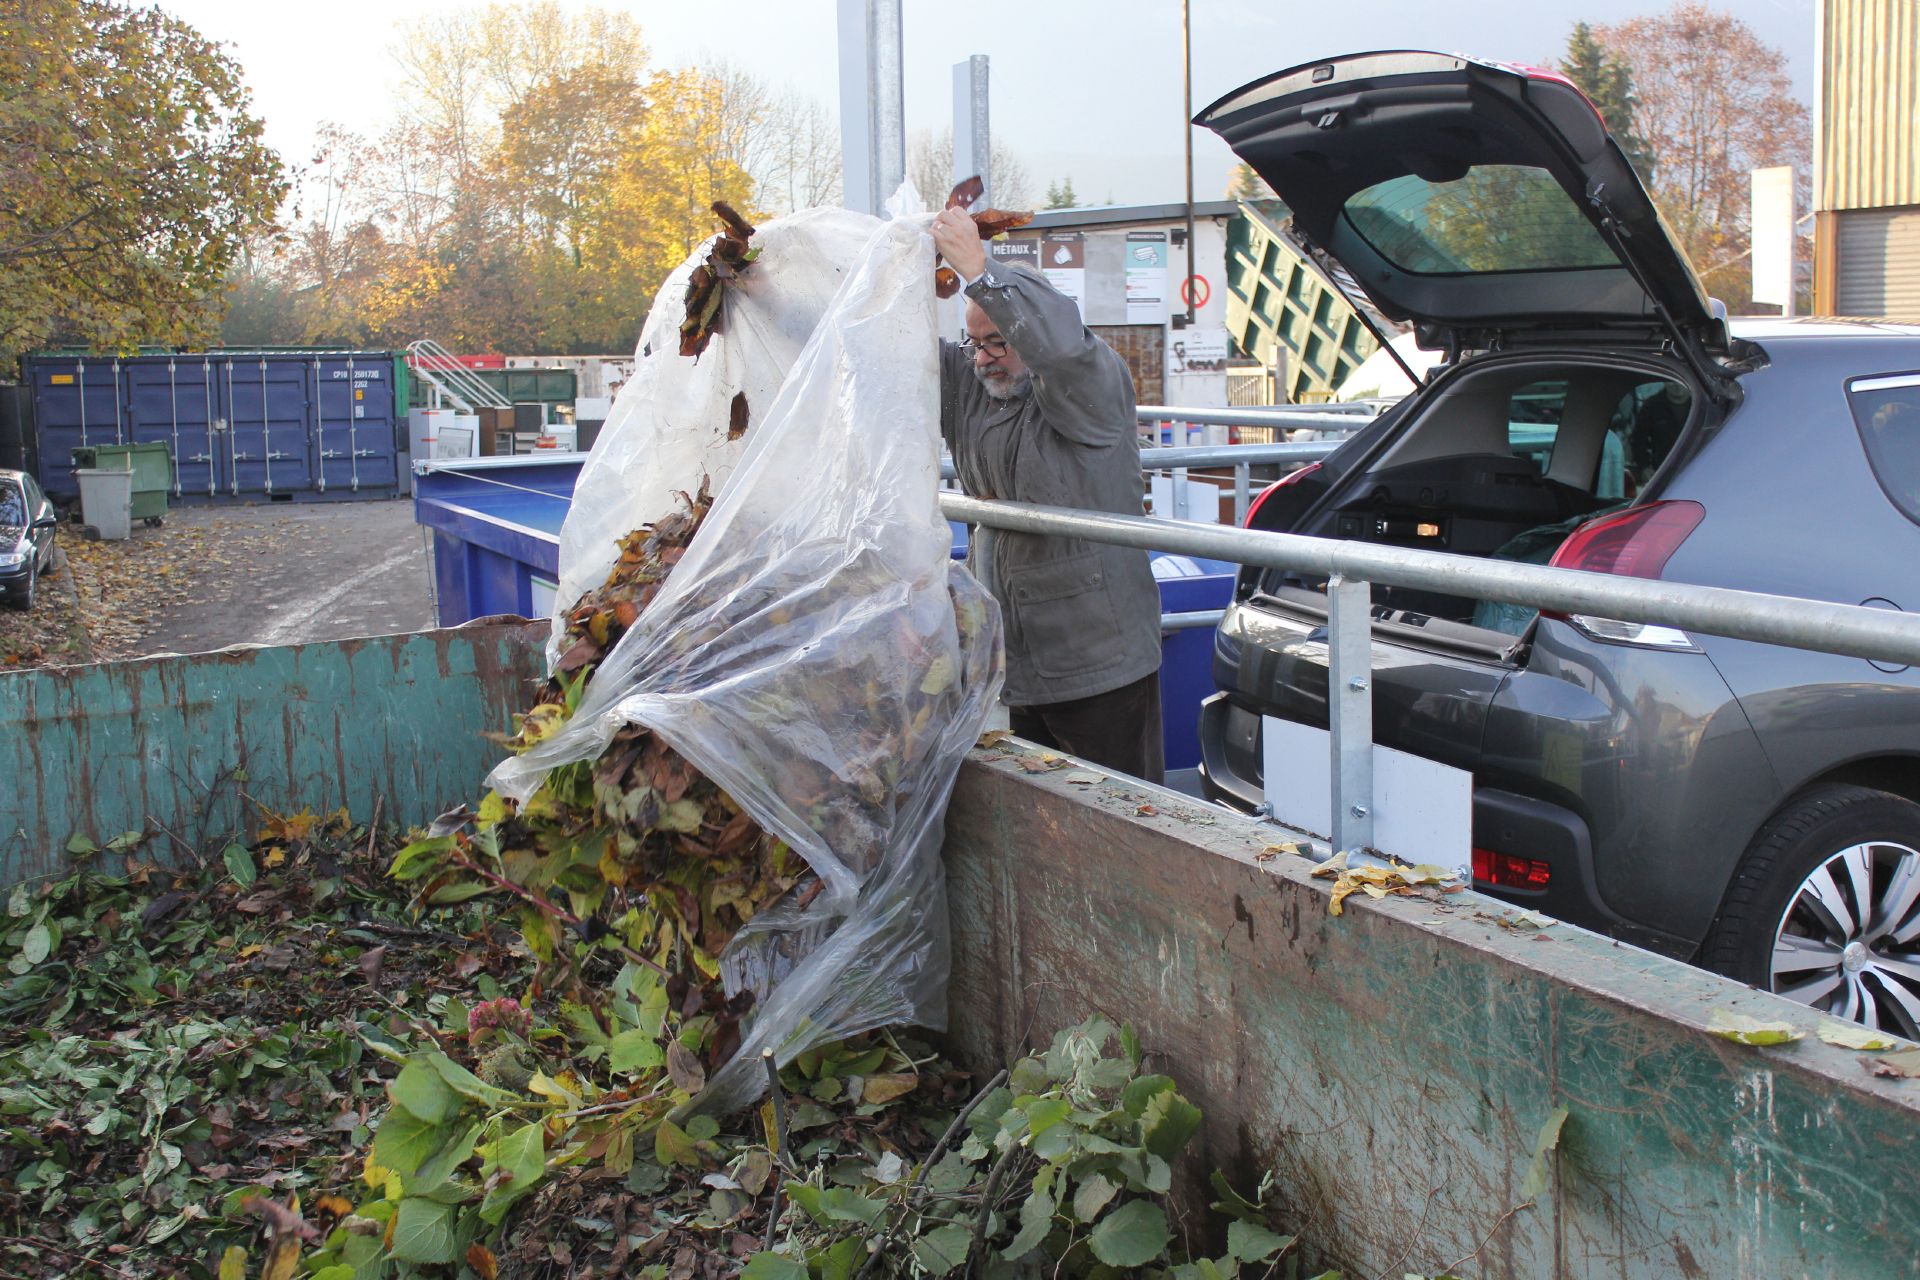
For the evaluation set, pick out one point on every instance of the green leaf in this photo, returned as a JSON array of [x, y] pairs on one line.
[[1741, 1029], [771, 1266], [79, 846], [1167, 1124], [671, 1145], [943, 1249], [422, 1090], [423, 1232], [1142, 1091], [702, 1128], [467, 1084], [519, 1161], [1130, 1044], [37, 945], [420, 857], [19, 902], [1131, 1236], [1044, 1113], [1036, 1220], [843, 1260], [239, 864], [1250, 1242], [1092, 1196], [634, 1050], [1548, 1138], [404, 1141], [1848, 1036]]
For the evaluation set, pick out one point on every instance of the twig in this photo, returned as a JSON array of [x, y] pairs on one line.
[[987, 1198], [373, 828], [1500, 1222], [38, 1243], [779, 1140], [933, 1157]]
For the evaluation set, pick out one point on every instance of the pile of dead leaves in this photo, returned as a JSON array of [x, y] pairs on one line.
[[176, 1043]]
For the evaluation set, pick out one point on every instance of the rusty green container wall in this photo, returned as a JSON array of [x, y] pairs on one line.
[[126, 746], [1393, 1066], [1278, 303]]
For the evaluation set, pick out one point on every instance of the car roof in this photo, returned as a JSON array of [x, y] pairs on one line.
[[1765, 328]]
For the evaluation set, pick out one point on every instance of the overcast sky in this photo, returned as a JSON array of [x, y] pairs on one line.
[[1087, 89]]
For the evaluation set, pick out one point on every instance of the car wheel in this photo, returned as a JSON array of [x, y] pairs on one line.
[[1825, 908]]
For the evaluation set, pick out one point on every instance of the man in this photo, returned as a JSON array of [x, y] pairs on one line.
[[1037, 409]]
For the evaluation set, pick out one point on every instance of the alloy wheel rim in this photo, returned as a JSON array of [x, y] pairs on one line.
[[1848, 942]]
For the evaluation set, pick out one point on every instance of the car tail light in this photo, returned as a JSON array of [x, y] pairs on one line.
[[1636, 543], [1290, 478], [1505, 871]]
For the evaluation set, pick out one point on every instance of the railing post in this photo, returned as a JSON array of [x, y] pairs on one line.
[[1242, 474], [1177, 487], [1350, 715]]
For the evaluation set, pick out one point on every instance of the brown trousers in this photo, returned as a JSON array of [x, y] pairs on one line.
[[1120, 729]]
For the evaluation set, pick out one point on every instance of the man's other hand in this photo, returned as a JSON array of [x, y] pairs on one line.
[[958, 239]]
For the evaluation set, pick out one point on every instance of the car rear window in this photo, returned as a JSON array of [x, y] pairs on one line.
[[1887, 411], [1498, 218]]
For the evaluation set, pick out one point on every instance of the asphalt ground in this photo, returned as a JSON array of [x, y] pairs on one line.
[[209, 577]]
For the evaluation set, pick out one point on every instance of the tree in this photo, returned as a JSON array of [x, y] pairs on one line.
[[1604, 75], [1248, 185], [132, 176], [1714, 103], [930, 168], [1060, 194]]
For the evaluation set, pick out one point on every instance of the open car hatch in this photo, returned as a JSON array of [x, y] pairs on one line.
[[1485, 203]]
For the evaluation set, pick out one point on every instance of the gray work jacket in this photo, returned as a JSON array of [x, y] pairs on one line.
[[1082, 618]]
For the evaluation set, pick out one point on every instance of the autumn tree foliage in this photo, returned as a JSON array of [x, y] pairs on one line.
[[132, 174], [540, 182], [1605, 76], [1712, 102]]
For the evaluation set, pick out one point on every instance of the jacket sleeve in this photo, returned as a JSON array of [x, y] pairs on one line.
[[1083, 387]]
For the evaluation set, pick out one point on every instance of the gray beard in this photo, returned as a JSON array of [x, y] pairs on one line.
[[1005, 388]]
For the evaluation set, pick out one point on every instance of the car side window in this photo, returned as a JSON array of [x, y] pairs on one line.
[[1887, 412], [13, 506], [1533, 420]]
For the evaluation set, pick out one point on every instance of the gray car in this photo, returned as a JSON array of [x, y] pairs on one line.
[[1748, 807]]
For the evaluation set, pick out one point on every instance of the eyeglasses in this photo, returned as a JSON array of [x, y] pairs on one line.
[[994, 347]]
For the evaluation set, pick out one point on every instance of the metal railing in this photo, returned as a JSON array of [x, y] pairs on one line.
[[1350, 568], [1293, 417], [437, 366]]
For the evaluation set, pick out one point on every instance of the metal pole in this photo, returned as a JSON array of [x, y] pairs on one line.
[[1186, 126], [972, 138], [1350, 714], [873, 140]]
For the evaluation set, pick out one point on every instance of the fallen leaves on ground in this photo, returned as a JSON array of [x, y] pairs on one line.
[[1741, 1029]]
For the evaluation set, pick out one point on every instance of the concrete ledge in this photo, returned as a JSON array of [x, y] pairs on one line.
[[1393, 1066], [112, 747]]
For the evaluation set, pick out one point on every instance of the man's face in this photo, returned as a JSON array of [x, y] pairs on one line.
[[1004, 375]]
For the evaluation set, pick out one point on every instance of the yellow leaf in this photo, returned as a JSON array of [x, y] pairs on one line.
[[888, 1087], [1848, 1036], [273, 857], [283, 1258], [250, 950], [481, 1259], [233, 1263], [1741, 1029]]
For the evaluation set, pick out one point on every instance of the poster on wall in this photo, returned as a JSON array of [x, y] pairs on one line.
[[1018, 253], [1197, 351], [1146, 277], [1063, 260]]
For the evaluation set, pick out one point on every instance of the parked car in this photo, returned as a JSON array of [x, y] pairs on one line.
[[27, 522], [1747, 806]]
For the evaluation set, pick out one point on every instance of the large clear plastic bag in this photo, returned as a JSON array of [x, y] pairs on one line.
[[669, 427], [819, 655]]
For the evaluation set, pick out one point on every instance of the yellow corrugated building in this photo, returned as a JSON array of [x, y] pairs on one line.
[[1866, 158]]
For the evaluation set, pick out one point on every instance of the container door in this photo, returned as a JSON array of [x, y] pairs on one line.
[[76, 402], [268, 446], [354, 429], [170, 399]]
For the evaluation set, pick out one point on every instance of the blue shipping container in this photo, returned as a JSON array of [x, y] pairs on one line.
[[285, 426]]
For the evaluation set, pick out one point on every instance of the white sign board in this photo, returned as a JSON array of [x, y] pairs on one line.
[[1063, 257], [1196, 351], [1186, 499], [1146, 268], [1422, 811], [1773, 237]]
